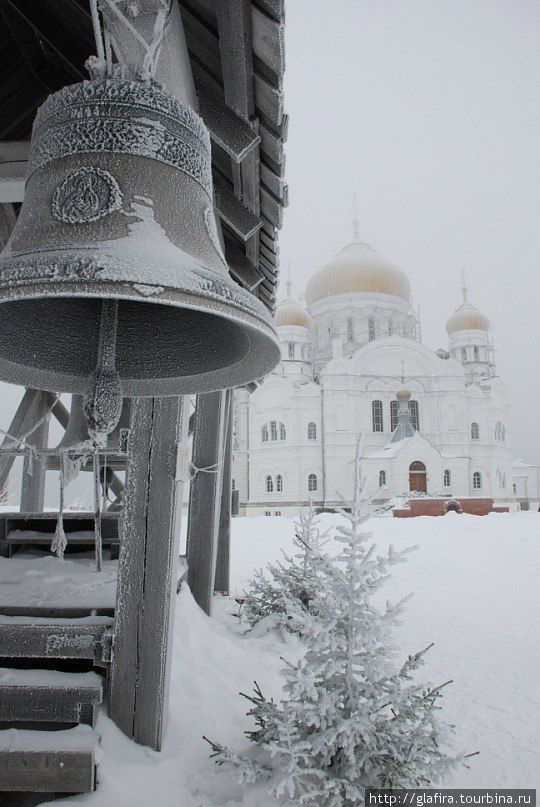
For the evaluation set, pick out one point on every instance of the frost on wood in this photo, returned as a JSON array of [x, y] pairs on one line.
[[351, 718]]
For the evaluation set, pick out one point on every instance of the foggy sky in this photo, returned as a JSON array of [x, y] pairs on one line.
[[428, 111]]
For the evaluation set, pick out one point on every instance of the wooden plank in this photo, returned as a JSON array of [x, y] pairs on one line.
[[273, 182], [31, 637], [228, 130], [147, 576], [268, 40], [268, 100], [272, 145], [48, 762], [231, 210], [275, 8], [222, 579], [240, 267], [205, 496], [42, 696], [234, 26]]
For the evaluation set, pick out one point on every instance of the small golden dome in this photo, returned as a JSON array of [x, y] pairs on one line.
[[403, 393], [288, 312], [358, 268], [467, 318]]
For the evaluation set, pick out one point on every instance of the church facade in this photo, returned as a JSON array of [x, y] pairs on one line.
[[353, 363]]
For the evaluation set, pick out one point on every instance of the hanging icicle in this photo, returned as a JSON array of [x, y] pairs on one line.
[[59, 541]]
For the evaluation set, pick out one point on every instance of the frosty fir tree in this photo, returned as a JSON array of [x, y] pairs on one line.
[[288, 592], [350, 719]]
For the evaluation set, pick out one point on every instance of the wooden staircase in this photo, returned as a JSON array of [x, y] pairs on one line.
[[47, 716]]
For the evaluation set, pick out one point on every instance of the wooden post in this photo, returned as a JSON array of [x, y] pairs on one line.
[[221, 582], [35, 470], [205, 498], [148, 572]]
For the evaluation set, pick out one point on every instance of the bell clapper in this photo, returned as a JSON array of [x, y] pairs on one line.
[[103, 404]]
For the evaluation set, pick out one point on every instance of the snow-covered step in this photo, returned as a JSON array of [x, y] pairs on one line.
[[48, 761], [44, 637], [49, 696]]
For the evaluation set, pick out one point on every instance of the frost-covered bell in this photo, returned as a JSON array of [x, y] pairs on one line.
[[118, 206]]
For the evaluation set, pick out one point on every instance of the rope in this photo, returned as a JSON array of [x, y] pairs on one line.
[[209, 469]]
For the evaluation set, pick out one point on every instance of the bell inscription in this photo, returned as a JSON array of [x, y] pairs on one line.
[[86, 195]]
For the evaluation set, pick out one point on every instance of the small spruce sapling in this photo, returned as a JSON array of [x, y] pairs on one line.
[[351, 719], [289, 592]]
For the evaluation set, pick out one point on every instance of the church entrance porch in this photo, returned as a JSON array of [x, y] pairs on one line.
[[417, 477]]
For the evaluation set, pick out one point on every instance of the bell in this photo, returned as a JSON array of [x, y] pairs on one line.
[[118, 211]]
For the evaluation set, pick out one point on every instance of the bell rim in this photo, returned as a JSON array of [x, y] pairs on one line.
[[264, 353]]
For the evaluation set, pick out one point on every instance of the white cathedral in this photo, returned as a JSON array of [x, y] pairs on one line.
[[352, 362]]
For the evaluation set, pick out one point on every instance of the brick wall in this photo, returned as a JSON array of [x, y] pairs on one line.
[[438, 507]]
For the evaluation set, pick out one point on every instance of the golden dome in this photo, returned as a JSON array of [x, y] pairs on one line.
[[403, 393], [288, 312], [467, 318], [358, 268]]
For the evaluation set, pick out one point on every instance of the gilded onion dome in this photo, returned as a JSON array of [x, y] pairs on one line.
[[467, 318], [358, 268], [289, 312]]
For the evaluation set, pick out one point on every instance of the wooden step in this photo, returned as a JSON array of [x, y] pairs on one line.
[[44, 637], [49, 696], [48, 761]]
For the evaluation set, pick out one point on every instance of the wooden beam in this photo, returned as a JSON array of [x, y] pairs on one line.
[[234, 26], [205, 495], [34, 469], [19, 425], [232, 211], [147, 574], [222, 579], [227, 129]]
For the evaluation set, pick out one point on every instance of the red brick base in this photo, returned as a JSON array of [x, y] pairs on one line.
[[439, 507]]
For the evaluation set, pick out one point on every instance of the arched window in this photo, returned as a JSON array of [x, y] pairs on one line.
[[269, 484], [273, 430], [477, 480], [377, 416], [503, 432], [312, 431], [463, 354], [264, 433], [415, 415], [291, 350], [282, 432], [476, 353], [447, 478], [393, 415], [233, 484], [350, 330], [312, 482], [371, 328], [382, 479], [475, 431], [279, 483]]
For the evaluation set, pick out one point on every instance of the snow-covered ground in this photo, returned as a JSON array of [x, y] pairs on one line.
[[475, 584]]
